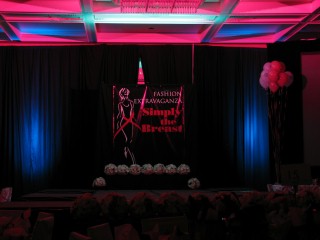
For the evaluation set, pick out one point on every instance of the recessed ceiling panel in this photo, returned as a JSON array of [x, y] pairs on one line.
[[151, 28], [3, 36], [275, 7], [241, 30], [309, 32], [51, 29], [34, 31], [36, 6]]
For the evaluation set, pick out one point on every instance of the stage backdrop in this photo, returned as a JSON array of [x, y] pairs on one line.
[[56, 122], [148, 131]]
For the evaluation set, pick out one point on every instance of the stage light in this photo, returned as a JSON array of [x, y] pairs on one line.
[[155, 18]]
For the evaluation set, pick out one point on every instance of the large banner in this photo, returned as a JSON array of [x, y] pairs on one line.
[[148, 130]]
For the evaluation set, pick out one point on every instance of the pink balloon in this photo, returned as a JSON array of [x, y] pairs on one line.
[[273, 87], [290, 78], [264, 82], [267, 66], [273, 75], [276, 66], [264, 73], [282, 67], [283, 79]]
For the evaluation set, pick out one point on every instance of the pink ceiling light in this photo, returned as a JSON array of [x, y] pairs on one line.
[[160, 6]]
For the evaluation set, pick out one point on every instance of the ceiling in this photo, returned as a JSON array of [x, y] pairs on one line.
[[149, 22]]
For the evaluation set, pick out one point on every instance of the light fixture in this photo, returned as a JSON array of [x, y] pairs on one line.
[[160, 6], [155, 18]]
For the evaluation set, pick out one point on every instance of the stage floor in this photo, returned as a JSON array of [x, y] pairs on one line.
[[63, 198]]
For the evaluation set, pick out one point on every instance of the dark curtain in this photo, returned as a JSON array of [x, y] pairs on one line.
[[50, 103], [293, 139], [120, 65], [56, 111], [290, 54], [167, 64], [232, 115], [173, 64]]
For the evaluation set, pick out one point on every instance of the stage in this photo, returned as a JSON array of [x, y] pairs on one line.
[[58, 199]]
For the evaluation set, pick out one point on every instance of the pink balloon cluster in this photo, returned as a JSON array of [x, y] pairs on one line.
[[275, 76]]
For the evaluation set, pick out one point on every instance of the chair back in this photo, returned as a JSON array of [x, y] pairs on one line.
[[100, 232], [165, 225], [11, 212], [126, 232], [42, 215], [43, 229], [78, 236]]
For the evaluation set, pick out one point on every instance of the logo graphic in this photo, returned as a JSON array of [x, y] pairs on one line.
[[148, 125]]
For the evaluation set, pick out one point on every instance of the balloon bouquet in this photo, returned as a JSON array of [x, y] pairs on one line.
[[274, 76], [275, 79]]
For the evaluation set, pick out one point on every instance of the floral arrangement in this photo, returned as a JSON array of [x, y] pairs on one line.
[[183, 169], [172, 204], [143, 205], [99, 182], [193, 183], [16, 227], [123, 169], [114, 206], [159, 168], [253, 198], [85, 207], [226, 203], [199, 204], [110, 169], [147, 169], [171, 169], [275, 213], [135, 169], [307, 196]]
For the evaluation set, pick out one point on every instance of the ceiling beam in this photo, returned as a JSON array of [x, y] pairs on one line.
[[226, 9], [299, 26], [88, 19], [8, 30]]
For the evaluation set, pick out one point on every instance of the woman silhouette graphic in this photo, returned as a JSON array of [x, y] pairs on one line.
[[125, 120]]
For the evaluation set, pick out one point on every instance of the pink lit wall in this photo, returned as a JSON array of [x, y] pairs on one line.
[[311, 107]]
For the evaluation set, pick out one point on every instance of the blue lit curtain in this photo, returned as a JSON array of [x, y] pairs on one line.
[[31, 103], [49, 100], [232, 115]]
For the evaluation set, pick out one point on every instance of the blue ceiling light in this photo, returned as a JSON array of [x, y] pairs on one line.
[[248, 30], [48, 29]]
